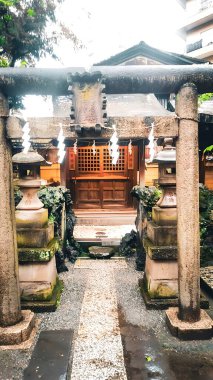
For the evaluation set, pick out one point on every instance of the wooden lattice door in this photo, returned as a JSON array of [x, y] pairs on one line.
[[99, 183]]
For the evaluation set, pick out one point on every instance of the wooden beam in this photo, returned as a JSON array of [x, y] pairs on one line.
[[128, 127], [117, 79]]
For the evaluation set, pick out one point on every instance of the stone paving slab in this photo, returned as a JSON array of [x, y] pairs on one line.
[[98, 351], [50, 357], [100, 264], [101, 233]]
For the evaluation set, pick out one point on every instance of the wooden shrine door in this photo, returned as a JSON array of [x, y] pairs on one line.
[[95, 182]]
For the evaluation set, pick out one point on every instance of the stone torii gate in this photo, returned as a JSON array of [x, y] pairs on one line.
[[187, 321]]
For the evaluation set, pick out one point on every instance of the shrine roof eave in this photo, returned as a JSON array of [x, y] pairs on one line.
[[127, 128], [135, 105]]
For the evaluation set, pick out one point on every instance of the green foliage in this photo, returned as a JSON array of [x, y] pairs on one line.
[[8, 3], [3, 60], [52, 198], [208, 149], [204, 97], [206, 255], [23, 30], [205, 207], [147, 195], [24, 37], [128, 244], [17, 195]]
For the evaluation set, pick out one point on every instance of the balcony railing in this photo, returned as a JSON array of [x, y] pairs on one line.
[[205, 4], [195, 46]]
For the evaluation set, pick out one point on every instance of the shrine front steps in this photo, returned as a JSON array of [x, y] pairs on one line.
[[105, 217], [101, 235]]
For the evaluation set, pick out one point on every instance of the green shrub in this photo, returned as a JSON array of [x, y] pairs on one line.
[[147, 195], [205, 208]]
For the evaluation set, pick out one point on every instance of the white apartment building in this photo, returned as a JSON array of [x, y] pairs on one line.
[[197, 28]]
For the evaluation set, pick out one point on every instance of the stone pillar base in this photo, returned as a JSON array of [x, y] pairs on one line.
[[50, 305], [19, 332], [161, 277], [201, 329]]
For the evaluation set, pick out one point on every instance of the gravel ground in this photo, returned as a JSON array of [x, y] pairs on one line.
[[67, 316]]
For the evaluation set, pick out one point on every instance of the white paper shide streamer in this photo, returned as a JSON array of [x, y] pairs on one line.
[[75, 147], [114, 147], [94, 148], [130, 147], [26, 137], [61, 145], [151, 144]]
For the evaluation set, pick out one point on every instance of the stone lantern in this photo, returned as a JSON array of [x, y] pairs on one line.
[[35, 236], [160, 281], [29, 183], [166, 160]]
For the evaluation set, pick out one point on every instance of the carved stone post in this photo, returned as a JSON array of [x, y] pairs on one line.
[[188, 204], [10, 308], [189, 322]]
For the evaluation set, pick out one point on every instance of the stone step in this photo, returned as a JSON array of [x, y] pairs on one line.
[[102, 235], [105, 217], [105, 220]]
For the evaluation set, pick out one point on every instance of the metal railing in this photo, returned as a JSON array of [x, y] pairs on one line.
[[205, 4], [195, 46]]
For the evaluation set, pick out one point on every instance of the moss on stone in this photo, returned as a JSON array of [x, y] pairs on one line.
[[162, 291], [46, 305], [156, 252], [39, 254], [35, 237], [42, 295]]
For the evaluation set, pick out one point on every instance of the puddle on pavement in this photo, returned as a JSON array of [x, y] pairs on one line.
[[145, 359], [143, 355], [187, 367]]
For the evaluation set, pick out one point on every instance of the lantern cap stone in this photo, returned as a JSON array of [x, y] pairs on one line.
[[168, 153], [31, 157]]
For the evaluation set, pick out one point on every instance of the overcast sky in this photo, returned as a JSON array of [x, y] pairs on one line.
[[109, 27]]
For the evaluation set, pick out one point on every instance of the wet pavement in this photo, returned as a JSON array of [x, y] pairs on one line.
[[140, 339]]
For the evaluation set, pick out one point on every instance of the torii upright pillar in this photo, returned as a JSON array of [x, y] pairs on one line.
[[188, 321], [15, 325]]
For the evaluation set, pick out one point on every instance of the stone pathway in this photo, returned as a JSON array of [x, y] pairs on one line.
[[98, 352], [149, 350]]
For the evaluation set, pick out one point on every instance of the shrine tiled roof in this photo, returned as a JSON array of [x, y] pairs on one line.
[[144, 50]]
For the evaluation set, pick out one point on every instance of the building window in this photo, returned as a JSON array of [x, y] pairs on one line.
[[207, 37]]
